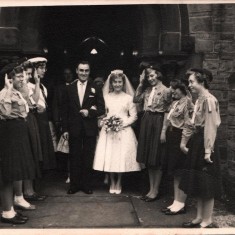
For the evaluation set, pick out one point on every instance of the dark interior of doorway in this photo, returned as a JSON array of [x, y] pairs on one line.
[[70, 33]]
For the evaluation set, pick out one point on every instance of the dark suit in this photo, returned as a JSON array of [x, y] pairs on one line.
[[82, 131]]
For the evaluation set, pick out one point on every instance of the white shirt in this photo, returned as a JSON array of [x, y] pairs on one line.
[[81, 90], [41, 102]]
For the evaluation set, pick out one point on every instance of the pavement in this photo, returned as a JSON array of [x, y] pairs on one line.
[[104, 210]]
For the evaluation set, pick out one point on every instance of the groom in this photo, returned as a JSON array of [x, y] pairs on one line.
[[82, 104]]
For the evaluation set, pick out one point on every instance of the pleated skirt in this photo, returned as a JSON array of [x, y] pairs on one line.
[[49, 160], [150, 151], [199, 178], [17, 160], [174, 159]]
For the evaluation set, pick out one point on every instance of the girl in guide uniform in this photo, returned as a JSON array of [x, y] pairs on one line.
[[49, 161], [156, 100], [174, 123], [16, 154], [201, 177]]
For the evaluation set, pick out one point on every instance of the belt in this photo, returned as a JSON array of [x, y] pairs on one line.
[[172, 128], [16, 119]]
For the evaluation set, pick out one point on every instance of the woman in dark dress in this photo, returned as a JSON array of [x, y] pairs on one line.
[[32, 97], [156, 100], [16, 154], [174, 122], [49, 160], [201, 177]]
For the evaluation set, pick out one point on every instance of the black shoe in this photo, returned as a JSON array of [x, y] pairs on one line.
[[165, 209], [73, 191], [15, 220], [208, 226], [143, 197], [190, 225], [87, 191], [23, 217], [35, 197], [181, 211], [149, 199]]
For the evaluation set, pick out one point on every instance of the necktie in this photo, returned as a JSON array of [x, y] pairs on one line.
[[81, 92], [172, 110], [150, 100], [43, 93], [194, 112], [25, 102]]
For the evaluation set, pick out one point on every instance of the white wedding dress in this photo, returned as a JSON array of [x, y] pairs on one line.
[[116, 152]]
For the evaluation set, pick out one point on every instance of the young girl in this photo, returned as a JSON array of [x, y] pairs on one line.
[[17, 162], [202, 178], [116, 152], [156, 99], [174, 123]]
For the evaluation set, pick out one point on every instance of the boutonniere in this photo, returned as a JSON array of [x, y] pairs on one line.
[[93, 90]]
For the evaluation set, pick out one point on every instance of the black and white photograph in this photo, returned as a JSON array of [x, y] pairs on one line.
[[117, 116]]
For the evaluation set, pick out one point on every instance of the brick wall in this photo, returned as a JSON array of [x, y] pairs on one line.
[[212, 25]]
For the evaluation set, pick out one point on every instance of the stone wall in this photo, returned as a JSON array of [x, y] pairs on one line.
[[213, 29]]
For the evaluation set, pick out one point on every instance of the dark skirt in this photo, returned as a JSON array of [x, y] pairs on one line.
[[49, 160], [17, 161], [201, 179], [150, 149], [174, 159], [34, 139]]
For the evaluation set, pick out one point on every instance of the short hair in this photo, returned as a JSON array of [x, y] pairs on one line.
[[84, 62], [16, 70], [182, 88], [27, 65], [174, 83], [38, 64], [202, 76]]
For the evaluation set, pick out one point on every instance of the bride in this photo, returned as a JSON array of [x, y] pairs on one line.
[[116, 151]]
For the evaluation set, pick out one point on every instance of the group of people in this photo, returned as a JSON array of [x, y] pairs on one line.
[[176, 136]]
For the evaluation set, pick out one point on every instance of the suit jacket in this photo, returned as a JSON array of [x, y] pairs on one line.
[[72, 120]]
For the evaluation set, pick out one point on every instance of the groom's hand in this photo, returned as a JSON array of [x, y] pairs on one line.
[[84, 112]]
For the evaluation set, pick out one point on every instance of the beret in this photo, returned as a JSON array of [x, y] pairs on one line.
[[9, 67]]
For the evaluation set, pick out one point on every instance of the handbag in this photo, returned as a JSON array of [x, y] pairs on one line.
[[63, 145]]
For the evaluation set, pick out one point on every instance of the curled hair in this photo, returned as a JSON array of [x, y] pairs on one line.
[[16, 70], [182, 88], [147, 72], [38, 64], [115, 76], [27, 65], [174, 83], [203, 76]]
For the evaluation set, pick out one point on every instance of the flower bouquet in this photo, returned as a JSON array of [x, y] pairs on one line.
[[112, 124]]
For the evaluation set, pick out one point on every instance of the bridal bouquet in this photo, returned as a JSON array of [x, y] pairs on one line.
[[113, 124]]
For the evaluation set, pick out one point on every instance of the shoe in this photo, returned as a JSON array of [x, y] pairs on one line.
[[67, 181], [87, 191], [35, 197], [190, 225], [73, 191], [15, 220], [23, 217], [112, 191], [24, 208], [143, 197], [181, 211], [149, 199], [165, 209], [208, 226], [118, 191]]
